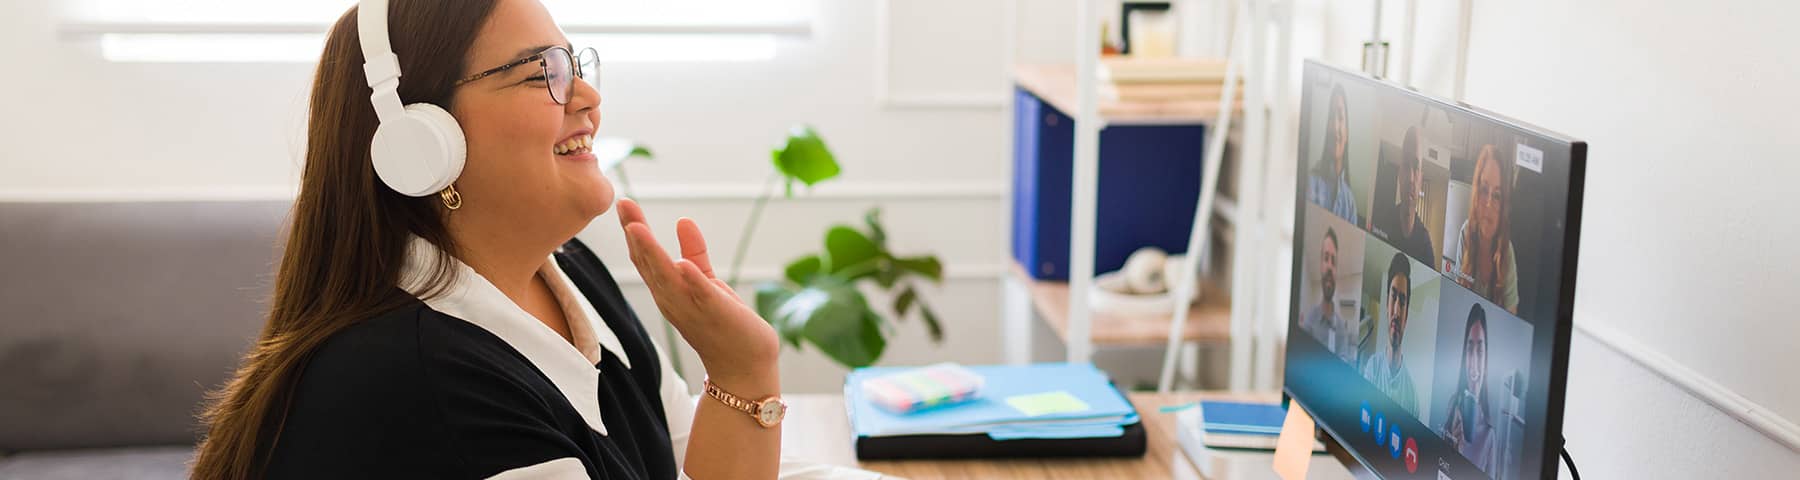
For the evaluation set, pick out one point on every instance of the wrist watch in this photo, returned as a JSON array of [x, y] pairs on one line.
[[768, 412]]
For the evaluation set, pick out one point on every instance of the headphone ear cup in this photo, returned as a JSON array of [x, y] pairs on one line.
[[420, 153]]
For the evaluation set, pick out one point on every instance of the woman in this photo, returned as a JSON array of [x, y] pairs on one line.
[[465, 334], [1485, 260], [1470, 427], [1330, 183]]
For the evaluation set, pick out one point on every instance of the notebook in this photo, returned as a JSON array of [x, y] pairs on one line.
[[1242, 426]]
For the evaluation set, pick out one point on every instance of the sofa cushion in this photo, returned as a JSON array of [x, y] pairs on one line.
[[170, 463], [119, 316]]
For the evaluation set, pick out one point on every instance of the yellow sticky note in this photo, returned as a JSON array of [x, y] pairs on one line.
[[1294, 448], [1046, 403]]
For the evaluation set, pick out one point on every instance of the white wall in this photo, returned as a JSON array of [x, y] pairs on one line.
[[1683, 275], [1690, 114], [77, 125], [1688, 110]]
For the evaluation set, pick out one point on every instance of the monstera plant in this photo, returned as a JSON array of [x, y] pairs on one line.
[[818, 299]]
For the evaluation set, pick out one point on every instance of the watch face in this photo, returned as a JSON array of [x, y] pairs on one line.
[[771, 412]]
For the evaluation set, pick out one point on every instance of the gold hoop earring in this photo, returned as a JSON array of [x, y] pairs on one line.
[[452, 200]]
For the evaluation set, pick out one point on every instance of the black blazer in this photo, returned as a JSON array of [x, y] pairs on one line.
[[416, 393]]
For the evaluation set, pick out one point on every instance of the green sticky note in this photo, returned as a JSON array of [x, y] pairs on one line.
[[1046, 403]]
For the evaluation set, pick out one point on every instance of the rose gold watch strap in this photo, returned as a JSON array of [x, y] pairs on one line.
[[731, 400]]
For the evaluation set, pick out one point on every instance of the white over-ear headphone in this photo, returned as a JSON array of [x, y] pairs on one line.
[[419, 149]]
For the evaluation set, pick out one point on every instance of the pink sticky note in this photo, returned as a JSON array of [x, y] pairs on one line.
[[1294, 448]]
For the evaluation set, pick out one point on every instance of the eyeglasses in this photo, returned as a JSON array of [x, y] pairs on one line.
[[561, 68]]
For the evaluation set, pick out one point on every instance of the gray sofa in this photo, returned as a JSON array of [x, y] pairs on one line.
[[115, 319]]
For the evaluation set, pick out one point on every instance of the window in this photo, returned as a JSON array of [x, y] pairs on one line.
[[293, 30]]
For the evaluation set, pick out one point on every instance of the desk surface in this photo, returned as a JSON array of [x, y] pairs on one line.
[[817, 430]]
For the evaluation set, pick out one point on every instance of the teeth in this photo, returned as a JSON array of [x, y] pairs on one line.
[[574, 145]]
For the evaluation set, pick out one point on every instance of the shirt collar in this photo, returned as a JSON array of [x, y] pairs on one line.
[[472, 298]]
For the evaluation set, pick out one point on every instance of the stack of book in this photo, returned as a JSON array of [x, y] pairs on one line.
[[1043, 410], [1128, 79], [1216, 427]]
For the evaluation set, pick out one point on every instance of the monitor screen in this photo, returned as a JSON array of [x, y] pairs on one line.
[[1433, 280]]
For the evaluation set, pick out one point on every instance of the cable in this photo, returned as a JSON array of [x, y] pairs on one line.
[[1565, 456]]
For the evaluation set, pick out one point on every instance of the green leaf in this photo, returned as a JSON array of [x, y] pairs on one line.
[[805, 157], [641, 151], [928, 266], [885, 273], [852, 342], [904, 301], [845, 248], [787, 181], [769, 299], [832, 315], [802, 270], [932, 327], [876, 233]]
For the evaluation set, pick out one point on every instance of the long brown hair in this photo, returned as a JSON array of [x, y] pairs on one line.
[[348, 239], [1484, 271]]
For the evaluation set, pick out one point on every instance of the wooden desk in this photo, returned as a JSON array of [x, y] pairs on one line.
[[817, 429]]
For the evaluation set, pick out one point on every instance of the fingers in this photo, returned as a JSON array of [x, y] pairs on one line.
[[652, 263], [689, 279], [699, 288], [693, 245], [630, 212]]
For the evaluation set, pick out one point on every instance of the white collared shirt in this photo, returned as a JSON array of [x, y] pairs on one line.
[[570, 364]]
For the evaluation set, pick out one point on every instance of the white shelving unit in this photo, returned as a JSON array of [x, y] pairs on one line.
[[1252, 342]]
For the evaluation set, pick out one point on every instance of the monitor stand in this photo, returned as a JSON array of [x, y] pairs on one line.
[[1210, 462], [1343, 456]]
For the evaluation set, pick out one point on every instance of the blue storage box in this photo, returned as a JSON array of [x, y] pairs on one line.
[[1149, 182]]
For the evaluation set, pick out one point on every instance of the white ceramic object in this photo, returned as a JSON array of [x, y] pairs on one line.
[[1108, 295], [1143, 271]]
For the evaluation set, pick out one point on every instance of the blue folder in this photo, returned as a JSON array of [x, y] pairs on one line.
[[989, 427]]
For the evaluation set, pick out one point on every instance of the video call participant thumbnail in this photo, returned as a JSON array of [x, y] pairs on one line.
[[1484, 258], [1469, 427], [1322, 319], [1400, 223], [1329, 185], [1387, 369]]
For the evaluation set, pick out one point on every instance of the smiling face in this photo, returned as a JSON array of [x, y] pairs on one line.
[[1475, 356], [515, 179]]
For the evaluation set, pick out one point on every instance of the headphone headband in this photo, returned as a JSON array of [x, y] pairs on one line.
[[380, 66], [418, 149]]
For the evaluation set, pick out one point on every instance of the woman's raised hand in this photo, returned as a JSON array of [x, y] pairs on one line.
[[735, 344]]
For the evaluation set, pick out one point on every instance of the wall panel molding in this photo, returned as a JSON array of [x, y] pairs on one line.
[[1756, 416]]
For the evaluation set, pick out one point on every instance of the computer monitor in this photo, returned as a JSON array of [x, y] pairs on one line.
[[1433, 281]]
